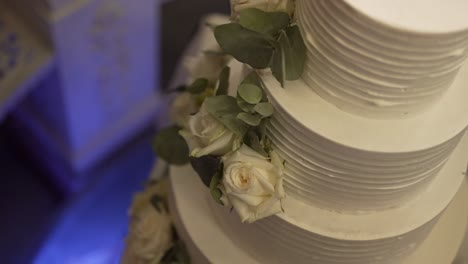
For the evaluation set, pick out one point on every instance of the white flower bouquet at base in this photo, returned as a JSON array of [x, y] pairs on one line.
[[152, 238]]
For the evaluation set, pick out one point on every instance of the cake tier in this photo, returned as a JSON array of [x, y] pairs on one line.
[[304, 234], [345, 162], [368, 62]]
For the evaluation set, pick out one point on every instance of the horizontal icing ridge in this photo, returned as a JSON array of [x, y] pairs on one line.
[[363, 66], [335, 173], [321, 172]]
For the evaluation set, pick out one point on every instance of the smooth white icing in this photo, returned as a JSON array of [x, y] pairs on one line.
[[426, 16], [365, 68]]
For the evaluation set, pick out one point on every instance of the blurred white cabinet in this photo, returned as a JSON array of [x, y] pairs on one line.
[[102, 89]]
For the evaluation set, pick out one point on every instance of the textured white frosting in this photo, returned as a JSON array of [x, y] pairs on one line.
[[349, 163], [373, 69], [339, 162], [307, 234], [339, 178]]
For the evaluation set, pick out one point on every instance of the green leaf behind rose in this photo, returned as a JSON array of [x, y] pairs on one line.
[[225, 109], [250, 119], [247, 46], [295, 51], [250, 93], [170, 146], [265, 40], [278, 66], [253, 141], [216, 193], [253, 78], [223, 84], [246, 107], [263, 22], [265, 109]]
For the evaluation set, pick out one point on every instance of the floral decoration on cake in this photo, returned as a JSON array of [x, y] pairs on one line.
[[220, 127], [223, 136]]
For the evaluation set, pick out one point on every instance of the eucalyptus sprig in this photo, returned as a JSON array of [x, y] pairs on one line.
[[265, 40], [246, 113]]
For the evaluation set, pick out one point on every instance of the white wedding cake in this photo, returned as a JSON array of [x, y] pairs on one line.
[[372, 137]]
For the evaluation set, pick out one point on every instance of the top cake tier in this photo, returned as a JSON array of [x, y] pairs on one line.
[[383, 59]]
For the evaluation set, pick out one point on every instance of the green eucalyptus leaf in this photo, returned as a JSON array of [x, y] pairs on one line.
[[265, 109], [250, 93], [253, 78], [252, 140], [225, 109], [278, 65], [206, 167], [263, 22], [267, 144], [216, 193], [250, 119], [247, 46], [170, 146], [246, 107], [295, 52], [198, 86], [223, 84]]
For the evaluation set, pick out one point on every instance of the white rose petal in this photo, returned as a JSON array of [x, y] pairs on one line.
[[269, 207], [219, 146], [150, 236], [253, 184], [205, 135]]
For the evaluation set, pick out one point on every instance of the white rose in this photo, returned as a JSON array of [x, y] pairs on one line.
[[265, 5], [252, 184], [206, 135], [181, 108], [150, 236]]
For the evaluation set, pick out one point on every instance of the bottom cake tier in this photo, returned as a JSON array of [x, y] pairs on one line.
[[428, 230]]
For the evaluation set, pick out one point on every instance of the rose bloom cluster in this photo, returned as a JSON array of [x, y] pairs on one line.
[[252, 184]]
